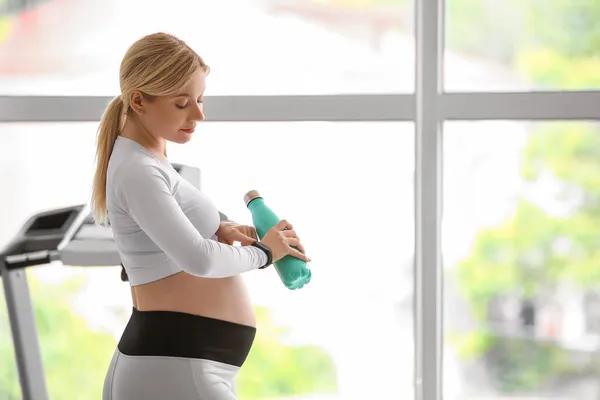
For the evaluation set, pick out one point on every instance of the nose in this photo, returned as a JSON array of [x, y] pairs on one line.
[[198, 114]]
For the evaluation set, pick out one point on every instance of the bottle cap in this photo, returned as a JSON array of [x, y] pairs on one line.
[[251, 195]]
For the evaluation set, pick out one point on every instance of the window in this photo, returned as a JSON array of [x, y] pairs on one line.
[[521, 45], [48, 166], [254, 47], [493, 146], [324, 177], [521, 243]]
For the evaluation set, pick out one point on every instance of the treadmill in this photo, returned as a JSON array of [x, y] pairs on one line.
[[70, 236]]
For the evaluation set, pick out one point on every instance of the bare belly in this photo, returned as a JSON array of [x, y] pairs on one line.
[[225, 298]]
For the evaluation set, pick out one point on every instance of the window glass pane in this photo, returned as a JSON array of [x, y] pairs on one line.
[[521, 236], [253, 46], [10, 389], [522, 45], [347, 188]]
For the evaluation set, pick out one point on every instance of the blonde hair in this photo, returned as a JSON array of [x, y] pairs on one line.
[[157, 65]]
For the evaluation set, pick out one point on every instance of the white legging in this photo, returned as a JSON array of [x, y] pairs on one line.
[[168, 378]]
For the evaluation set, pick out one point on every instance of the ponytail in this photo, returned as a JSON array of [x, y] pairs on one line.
[[110, 127]]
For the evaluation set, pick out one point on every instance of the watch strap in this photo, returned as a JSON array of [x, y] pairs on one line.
[[267, 251]]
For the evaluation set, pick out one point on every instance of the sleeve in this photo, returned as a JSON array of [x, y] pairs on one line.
[[145, 193]]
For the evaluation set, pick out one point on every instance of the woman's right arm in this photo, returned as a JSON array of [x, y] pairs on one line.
[[144, 192]]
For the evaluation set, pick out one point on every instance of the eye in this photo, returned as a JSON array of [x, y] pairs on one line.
[[181, 107]]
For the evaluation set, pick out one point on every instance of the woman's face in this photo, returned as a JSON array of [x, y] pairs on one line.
[[174, 118]]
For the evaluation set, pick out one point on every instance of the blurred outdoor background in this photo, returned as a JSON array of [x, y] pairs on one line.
[[521, 215]]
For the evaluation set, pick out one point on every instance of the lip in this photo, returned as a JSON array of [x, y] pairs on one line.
[[191, 130]]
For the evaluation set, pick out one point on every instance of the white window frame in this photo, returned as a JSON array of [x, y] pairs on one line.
[[429, 107]]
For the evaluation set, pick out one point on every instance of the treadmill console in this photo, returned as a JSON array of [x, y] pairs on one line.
[[38, 239]]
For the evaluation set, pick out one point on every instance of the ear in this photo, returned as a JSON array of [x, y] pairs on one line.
[[137, 102]]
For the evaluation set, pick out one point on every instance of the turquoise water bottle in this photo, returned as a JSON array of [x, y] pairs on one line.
[[294, 272]]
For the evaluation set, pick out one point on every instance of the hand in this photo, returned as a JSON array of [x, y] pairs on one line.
[[280, 238], [230, 232]]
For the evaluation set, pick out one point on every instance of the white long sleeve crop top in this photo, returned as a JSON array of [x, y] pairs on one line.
[[162, 224]]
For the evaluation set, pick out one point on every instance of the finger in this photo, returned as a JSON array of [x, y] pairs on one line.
[[240, 237], [283, 224], [245, 230], [298, 254], [301, 248], [252, 233], [290, 233], [247, 240], [293, 242]]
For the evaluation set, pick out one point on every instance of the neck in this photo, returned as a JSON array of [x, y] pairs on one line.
[[137, 132]]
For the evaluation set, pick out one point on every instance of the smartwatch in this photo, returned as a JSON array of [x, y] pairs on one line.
[[267, 251]]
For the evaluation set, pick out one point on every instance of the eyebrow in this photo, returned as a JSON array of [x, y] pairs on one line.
[[186, 95]]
